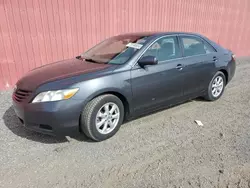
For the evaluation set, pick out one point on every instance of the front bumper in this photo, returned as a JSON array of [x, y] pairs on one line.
[[53, 118]]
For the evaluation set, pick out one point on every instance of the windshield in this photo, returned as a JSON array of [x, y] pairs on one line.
[[115, 50]]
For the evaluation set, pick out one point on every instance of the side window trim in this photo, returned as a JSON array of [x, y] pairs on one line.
[[167, 60], [143, 52], [211, 46], [180, 36], [180, 43], [159, 38], [199, 38]]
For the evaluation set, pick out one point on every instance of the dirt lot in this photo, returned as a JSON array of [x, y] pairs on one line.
[[165, 149]]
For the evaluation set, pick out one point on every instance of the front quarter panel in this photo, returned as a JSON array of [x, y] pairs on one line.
[[117, 82]]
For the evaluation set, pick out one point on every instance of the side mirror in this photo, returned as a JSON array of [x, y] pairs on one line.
[[148, 60]]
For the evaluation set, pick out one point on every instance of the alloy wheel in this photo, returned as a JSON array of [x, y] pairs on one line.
[[217, 86], [107, 118]]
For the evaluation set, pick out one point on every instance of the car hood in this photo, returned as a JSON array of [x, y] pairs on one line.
[[58, 70]]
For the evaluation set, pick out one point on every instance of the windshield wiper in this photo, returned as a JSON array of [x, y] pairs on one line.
[[79, 57], [91, 60]]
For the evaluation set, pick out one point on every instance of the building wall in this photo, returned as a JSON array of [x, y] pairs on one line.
[[37, 32]]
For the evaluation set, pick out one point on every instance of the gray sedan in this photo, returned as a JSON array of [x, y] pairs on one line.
[[122, 77]]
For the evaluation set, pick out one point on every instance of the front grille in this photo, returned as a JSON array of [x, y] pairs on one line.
[[20, 95]]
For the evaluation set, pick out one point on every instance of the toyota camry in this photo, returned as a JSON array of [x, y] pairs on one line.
[[122, 77]]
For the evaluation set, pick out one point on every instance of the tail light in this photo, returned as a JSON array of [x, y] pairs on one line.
[[233, 57]]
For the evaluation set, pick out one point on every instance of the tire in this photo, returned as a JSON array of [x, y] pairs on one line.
[[90, 122], [210, 96]]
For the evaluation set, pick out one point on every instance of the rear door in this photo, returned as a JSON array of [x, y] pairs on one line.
[[199, 65], [154, 85]]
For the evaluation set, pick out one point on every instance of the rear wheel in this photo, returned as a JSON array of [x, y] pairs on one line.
[[102, 117], [216, 87]]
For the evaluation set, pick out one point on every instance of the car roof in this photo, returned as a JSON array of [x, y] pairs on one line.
[[157, 33]]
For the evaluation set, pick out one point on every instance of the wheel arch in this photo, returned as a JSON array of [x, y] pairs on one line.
[[121, 97], [224, 71], [116, 93], [125, 98]]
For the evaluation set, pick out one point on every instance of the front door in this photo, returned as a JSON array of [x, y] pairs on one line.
[[155, 85]]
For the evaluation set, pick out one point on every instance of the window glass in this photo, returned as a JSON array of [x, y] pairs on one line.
[[208, 48], [193, 46], [164, 49], [115, 50]]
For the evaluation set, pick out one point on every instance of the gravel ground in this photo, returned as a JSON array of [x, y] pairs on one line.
[[164, 149]]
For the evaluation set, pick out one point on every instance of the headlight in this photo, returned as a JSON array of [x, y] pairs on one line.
[[55, 95]]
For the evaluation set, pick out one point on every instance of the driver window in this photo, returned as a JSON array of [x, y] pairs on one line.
[[164, 49]]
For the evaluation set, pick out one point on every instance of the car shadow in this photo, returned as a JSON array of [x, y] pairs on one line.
[[14, 125]]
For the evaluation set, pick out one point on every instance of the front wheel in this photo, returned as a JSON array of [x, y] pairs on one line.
[[216, 87], [102, 117]]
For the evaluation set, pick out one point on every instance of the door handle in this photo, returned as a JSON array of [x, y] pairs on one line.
[[215, 59], [179, 67]]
